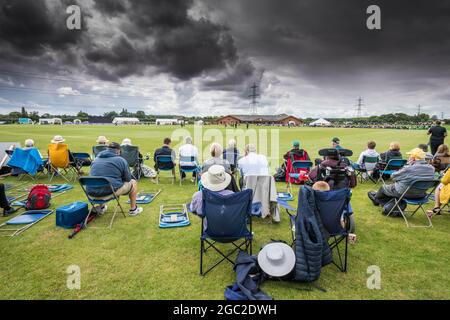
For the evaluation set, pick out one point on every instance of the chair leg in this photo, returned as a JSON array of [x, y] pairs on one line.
[[346, 253], [201, 256]]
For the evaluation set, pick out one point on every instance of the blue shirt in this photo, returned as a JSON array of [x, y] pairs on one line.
[[111, 166]]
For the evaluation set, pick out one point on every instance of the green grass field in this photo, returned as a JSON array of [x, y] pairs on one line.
[[137, 260]]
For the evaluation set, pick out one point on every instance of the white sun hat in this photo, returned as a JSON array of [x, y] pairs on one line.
[[58, 139], [102, 139], [216, 179], [276, 259], [126, 142]]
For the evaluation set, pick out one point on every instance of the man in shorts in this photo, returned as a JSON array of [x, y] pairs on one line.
[[111, 165]]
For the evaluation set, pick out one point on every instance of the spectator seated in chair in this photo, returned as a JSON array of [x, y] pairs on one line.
[[216, 179], [416, 169], [441, 195], [334, 170], [385, 157], [111, 165], [186, 151], [4, 203], [231, 154], [441, 158], [253, 163], [216, 159], [295, 154], [60, 139], [165, 150]]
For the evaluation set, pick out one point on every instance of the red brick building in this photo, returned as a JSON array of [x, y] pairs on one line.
[[281, 119]]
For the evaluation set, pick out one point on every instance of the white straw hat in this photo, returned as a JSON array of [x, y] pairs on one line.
[[216, 179], [126, 142], [58, 139], [276, 259], [102, 139]]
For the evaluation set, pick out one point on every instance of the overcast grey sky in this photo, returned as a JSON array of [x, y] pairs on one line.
[[312, 58]]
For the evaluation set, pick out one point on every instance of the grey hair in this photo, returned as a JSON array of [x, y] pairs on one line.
[[250, 147], [216, 149], [232, 143], [188, 140]]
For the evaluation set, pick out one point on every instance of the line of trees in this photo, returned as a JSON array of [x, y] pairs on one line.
[[390, 118]]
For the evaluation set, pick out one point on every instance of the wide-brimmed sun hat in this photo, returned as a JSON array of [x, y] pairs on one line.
[[276, 259], [216, 179], [417, 154], [58, 139], [102, 139], [126, 142]]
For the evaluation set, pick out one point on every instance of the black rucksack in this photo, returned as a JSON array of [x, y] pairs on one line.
[[280, 175], [395, 213]]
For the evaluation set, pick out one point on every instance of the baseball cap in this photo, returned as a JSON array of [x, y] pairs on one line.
[[296, 143], [114, 145], [336, 140], [417, 154]]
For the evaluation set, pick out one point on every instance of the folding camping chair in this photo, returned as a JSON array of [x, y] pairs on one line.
[[365, 169], [392, 166], [162, 165], [226, 220], [131, 155], [82, 159], [146, 197], [25, 162], [97, 149], [194, 168], [331, 206], [59, 162], [100, 182], [232, 158], [296, 169], [173, 216], [23, 222], [418, 186]]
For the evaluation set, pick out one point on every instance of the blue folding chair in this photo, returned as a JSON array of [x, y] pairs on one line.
[[97, 149], [364, 170], [427, 188], [225, 219], [100, 182], [82, 159], [392, 166], [194, 168], [332, 206], [23, 222], [296, 166], [162, 165], [25, 162]]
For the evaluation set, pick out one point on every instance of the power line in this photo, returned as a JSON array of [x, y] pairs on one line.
[[46, 92], [68, 79]]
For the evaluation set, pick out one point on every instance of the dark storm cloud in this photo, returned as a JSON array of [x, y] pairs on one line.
[[180, 45], [145, 33], [31, 26], [110, 8], [325, 37]]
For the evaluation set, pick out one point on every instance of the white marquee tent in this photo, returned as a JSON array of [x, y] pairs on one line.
[[320, 123], [125, 120]]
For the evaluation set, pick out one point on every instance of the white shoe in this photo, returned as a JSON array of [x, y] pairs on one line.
[[135, 212], [101, 209]]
